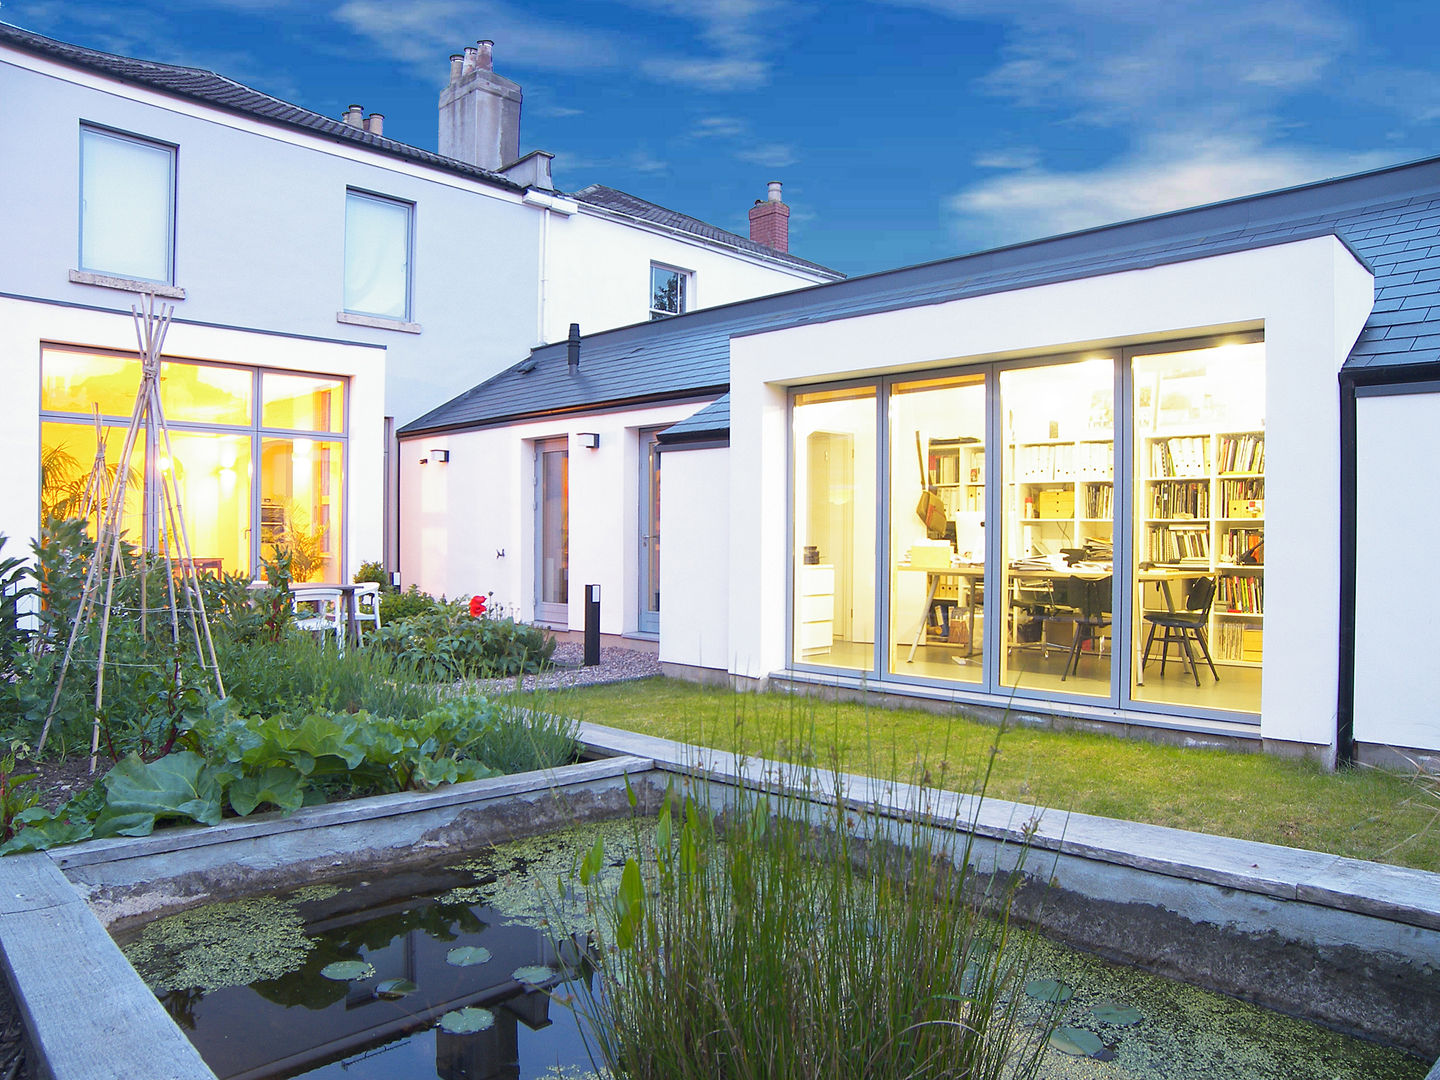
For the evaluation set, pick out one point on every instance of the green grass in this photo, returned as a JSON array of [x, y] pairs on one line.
[[1363, 813]]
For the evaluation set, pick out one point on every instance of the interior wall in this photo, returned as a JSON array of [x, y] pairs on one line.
[[1397, 510], [694, 554]]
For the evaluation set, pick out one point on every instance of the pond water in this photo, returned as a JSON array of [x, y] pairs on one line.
[[378, 979]]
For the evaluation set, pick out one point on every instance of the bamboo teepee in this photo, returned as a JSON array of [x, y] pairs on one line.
[[181, 604]]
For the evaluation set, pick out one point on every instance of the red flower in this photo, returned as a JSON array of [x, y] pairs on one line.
[[477, 606]]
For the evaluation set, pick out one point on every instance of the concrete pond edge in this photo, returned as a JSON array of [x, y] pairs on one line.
[[1350, 944]]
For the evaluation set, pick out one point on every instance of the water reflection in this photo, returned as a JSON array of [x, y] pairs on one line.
[[306, 1024]]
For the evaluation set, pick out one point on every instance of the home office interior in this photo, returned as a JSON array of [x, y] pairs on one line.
[[1165, 526]]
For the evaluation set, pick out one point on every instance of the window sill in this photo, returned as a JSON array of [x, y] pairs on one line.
[[107, 281], [377, 322]]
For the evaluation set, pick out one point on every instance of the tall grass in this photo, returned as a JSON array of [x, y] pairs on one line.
[[764, 942]]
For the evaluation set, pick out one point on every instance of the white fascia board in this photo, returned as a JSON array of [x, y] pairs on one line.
[[705, 243], [250, 125], [545, 201]]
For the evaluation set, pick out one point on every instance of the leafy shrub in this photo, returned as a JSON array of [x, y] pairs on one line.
[[246, 762], [395, 605], [372, 571], [450, 643]]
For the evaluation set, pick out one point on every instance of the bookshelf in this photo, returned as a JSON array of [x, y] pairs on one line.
[[1201, 506], [956, 472], [1064, 492]]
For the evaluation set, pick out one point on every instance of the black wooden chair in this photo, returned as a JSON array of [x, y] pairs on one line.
[[1087, 605], [1182, 626]]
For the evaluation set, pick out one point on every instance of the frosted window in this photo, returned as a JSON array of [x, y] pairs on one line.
[[377, 256], [127, 204]]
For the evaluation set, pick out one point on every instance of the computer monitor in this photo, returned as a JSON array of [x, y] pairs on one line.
[[970, 535]]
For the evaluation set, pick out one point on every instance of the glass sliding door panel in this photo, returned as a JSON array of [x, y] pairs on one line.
[[300, 504], [552, 532], [937, 528], [212, 480], [1199, 526], [67, 459], [834, 433], [206, 394], [1058, 478]]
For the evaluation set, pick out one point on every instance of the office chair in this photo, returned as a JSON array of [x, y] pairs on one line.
[[1089, 609]]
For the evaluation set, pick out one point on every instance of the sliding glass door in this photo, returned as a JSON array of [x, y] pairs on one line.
[[552, 532]]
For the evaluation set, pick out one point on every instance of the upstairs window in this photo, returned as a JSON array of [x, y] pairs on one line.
[[668, 288], [377, 256], [127, 206]]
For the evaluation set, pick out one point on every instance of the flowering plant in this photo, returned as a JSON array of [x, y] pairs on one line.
[[477, 606]]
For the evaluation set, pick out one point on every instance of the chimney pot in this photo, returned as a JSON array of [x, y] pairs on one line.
[[486, 58], [470, 54], [572, 349], [773, 193], [457, 63], [355, 116], [375, 123]]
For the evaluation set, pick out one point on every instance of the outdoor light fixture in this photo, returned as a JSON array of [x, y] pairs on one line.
[[590, 440], [441, 456]]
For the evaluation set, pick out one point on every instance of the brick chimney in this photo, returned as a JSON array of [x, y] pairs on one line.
[[770, 220], [479, 111]]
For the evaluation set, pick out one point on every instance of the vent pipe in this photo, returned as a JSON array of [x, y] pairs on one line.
[[572, 349]]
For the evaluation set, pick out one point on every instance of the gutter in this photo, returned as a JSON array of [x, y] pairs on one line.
[[697, 393]]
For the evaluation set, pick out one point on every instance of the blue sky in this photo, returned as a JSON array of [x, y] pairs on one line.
[[904, 130]]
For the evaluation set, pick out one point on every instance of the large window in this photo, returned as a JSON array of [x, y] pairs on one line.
[[127, 206], [377, 256], [228, 426], [1040, 536], [835, 517]]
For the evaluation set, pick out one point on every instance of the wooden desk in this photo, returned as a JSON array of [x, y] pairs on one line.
[[969, 573], [347, 603]]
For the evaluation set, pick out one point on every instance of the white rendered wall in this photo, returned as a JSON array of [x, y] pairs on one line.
[[1397, 516], [25, 325], [457, 516], [598, 273], [1310, 297], [694, 555]]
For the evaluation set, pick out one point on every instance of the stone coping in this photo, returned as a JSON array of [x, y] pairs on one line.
[[1394, 893]]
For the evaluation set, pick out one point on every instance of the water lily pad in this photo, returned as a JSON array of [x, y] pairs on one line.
[[393, 989], [1108, 1012], [1049, 990], [1077, 1042], [467, 1021], [533, 975], [467, 955], [348, 970]]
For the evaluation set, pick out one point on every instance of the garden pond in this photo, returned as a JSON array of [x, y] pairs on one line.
[[455, 973]]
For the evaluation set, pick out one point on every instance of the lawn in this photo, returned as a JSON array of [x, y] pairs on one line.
[[1364, 813]]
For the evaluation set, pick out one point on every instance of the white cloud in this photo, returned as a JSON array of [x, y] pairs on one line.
[[719, 127], [558, 111], [770, 155], [742, 38], [1020, 157], [1166, 174]]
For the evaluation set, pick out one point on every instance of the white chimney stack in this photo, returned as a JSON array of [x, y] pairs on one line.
[[354, 116], [480, 111]]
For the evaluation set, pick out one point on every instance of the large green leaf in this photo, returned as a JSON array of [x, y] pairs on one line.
[[1077, 1042], [1048, 990], [281, 785], [1120, 1015], [45, 830], [467, 1021], [130, 823], [177, 785]]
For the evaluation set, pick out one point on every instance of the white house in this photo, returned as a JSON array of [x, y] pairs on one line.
[[1167, 476], [329, 283]]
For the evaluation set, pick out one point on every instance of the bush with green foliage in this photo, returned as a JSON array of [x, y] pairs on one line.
[[450, 643], [372, 571], [396, 605]]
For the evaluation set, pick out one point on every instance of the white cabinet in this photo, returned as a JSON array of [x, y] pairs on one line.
[[815, 609]]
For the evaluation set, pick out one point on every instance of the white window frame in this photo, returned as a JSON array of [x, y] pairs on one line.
[[409, 208], [88, 130], [687, 291]]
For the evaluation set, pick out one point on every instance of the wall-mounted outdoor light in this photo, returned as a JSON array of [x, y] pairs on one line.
[[441, 456], [590, 440]]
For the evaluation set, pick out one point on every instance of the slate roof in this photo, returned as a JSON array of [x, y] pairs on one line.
[[620, 202], [1389, 217], [711, 422], [217, 90]]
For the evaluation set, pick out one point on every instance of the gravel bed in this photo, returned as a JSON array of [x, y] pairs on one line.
[[616, 665]]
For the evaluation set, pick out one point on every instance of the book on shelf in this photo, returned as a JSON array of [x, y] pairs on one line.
[[1242, 453]]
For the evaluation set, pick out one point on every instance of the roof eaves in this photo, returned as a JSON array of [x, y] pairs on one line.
[[417, 427]]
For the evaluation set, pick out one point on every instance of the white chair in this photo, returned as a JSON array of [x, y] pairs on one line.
[[367, 607], [320, 612]]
